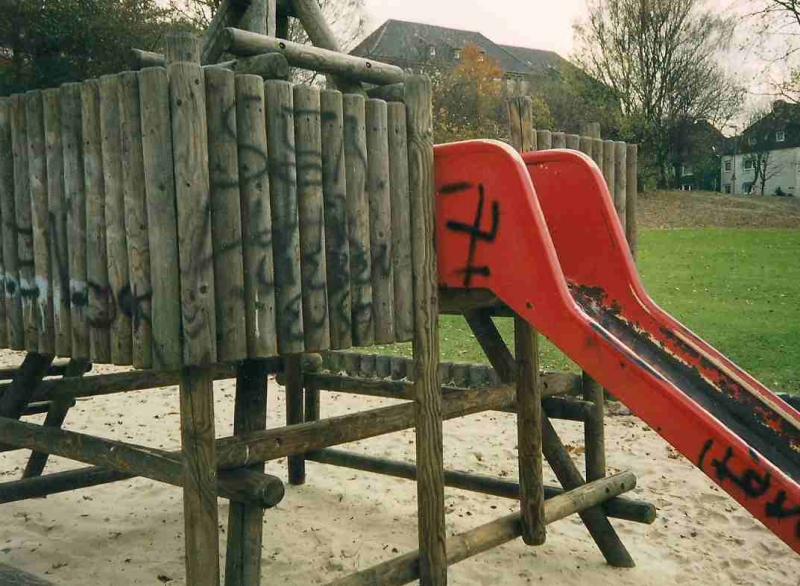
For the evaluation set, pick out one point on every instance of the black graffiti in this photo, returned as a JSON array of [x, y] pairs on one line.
[[476, 234]]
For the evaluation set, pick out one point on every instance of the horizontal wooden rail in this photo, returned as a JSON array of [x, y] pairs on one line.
[[55, 369], [619, 507], [405, 568], [245, 43]]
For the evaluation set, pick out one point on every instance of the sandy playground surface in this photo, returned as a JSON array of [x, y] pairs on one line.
[[342, 520]]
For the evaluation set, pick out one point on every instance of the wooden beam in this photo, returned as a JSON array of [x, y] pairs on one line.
[[406, 568], [244, 43]]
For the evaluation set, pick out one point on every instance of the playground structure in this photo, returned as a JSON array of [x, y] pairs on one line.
[[200, 222]]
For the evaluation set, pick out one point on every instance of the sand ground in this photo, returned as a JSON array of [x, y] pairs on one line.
[[132, 532]]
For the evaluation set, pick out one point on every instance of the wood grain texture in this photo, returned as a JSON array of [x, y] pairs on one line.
[[293, 372], [99, 310], [135, 297], [544, 140], [308, 142], [631, 196], [380, 220], [586, 145], [430, 481], [355, 157], [597, 152], [22, 223], [573, 142], [226, 214], [529, 433], [37, 177], [620, 180], [199, 476], [259, 277], [559, 140], [401, 223], [594, 430], [57, 211], [75, 199], [121, 336], [162, 222], [10, 281], [190, 159], [609, 150], [285, 218], [334, 194]]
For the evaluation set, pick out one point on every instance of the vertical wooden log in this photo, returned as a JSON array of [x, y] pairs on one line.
[[609, 149], [121, 338], [334, 193], [162, 223], [520, 120], [380, 221], [597, 152], [226, 214], [37, 178], [559, 140], [355, 156], [586, 145], [75, 199], [245, 521], [10, 278], [293, 372], [430, 477], [573, 142], [591, 129], [544, 140], [285, 216], [259, 278], [182, 47], [99, 314], [594, 430], [620, 180], [190, 157], [308, 142], [57, 210], [631, 197], [199, 470], [401, 223], [529, 433], [23, 223], [135, 297]]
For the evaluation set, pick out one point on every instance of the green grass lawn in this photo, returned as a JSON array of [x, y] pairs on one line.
[[738, 289]]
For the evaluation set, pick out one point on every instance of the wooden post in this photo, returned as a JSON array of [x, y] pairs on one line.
[[334, 193], [559, 140], [586, 145], [401, 223], [98, 315], [40, 221], [75, 196], [591, 129], [226, 216], [22, 223], [544, 140], [529, 433], [259, 278], [620, 180], [594, 430], [573, 142], [10, 282], [285, 220], [30, 373], [520, 121], [138, 290], [182, 47], [162, 223], [57, 210], [308, 141], [609, 150], [597, 152], [380, 220], [243, 559], [121, 334], [355, 156], [293, 372], [631, 197], [430, 481]]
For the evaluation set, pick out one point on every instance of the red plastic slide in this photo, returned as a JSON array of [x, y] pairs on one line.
[[540, 231]]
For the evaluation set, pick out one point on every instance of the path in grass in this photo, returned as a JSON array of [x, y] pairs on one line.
[[738, 289]]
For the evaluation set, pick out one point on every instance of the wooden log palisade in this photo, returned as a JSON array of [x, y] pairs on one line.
[[202, 218]]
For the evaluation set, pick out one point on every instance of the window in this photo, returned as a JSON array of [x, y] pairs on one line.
[[727, 188], [457, 54], [431, 51], [686, 171], [727, 164], [780, 136], [748, 163]]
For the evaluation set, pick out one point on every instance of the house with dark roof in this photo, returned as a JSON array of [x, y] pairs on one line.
[[765, 157]]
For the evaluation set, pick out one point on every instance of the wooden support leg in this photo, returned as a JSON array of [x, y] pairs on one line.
[[293, 371], [594, 430], [55, 418], [30, 373], [200, 477], [529, 433], [245, 521], [556, 454]]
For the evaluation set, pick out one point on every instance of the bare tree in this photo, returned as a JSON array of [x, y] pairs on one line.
[[764, 167], [660, 59], [778, 21]]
